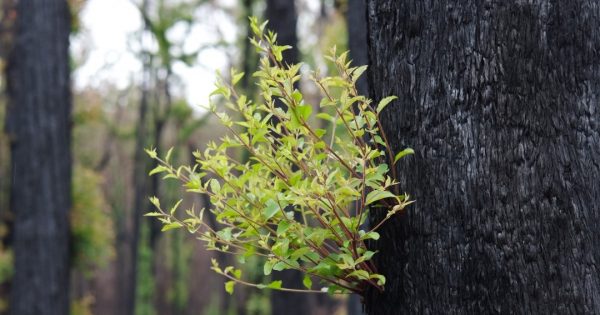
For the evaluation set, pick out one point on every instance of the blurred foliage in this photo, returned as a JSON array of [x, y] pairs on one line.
[[82, 306], [6, 257], [335, 34], [181, 253], [91, 225], [165, 16], [213, 307], [6, 265], [144, 299], [75, 7]]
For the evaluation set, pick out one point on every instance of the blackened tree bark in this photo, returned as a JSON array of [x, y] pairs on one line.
[[500, 100], [356, 19], [282, 20], [38, 124]]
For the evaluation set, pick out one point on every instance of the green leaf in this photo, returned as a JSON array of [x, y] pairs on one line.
[[297, 96], [275, 284], [271, 209], [325, 116], [155, 201], [300, 252], [268, 267], [380, 278], [281, 247], [215, 186], [170, 226], [358, 72], [225, 234], [403, 153], [378, 195], [279, 266], [300, 114], [360, 274], [236, 78], [158, 169], [304, 111], [307, 282], [283, 227], [384, 102], [168, 156], [151, 153], [172, 212], [153, 214], [229, 286], [320, 132], [371, 235]]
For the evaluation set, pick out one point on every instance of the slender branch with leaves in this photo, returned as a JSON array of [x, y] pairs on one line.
[[302, 199]]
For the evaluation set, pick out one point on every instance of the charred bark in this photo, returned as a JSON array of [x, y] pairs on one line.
[[500, 101], [38, 124], [356, 19]]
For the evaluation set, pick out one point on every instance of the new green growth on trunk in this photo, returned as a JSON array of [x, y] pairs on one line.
[[302, 199]]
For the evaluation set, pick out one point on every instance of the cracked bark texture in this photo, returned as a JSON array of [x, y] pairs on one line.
[[39, 127], [500, 100]]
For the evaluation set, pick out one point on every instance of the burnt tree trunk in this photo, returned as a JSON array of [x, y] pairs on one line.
[[356, 19], [39, 127], [500, 100]]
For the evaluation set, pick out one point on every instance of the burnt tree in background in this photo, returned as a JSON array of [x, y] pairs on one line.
[[38, 124], [500, 100]]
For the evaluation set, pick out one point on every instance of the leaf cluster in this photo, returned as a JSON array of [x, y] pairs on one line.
[[302, 198]]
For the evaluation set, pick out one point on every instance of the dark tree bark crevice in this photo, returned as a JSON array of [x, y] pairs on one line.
[[500, 102]]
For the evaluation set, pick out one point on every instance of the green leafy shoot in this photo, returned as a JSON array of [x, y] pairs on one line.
[[302, 199]]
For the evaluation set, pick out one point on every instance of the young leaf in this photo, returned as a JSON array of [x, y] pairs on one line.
[[268, 267], [384, 102], [229, 286], [172, 211], [151, 153], [378, 195], [380, 279], [168, 156], [171, 226], [403, 153], [283, 227], [307, 282], [153, 214], [236, 78], [271, 209], [358, 72], [158, 169], [304, 111], [275, 284]]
